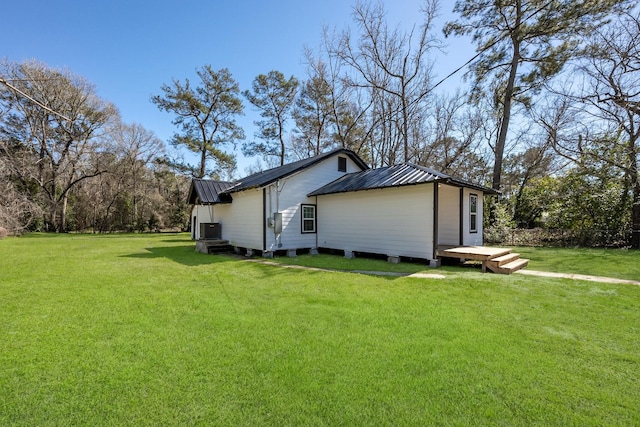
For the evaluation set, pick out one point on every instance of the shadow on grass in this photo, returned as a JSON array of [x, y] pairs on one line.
[[186, 255], [183, 254], [271, 269], [179, 240]]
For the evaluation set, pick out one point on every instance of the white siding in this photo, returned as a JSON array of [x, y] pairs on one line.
[[393, 221], [472, 239], [203, 214], [448, 215], [293, 193], [241, 220]]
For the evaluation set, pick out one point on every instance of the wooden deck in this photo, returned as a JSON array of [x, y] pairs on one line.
[[498, 260]]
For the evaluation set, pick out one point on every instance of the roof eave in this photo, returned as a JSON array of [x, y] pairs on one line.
[[458, 183], [447, 180]]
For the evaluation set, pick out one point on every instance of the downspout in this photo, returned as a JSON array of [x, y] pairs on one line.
[[277, 238], [461, 222], [264, 219], [270, 209], [278, 190], [435, 218], [193, 223], [316, 222]]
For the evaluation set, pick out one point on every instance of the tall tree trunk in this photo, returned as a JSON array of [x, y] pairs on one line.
[[506, 117], [53, 213], [280, 134], [203, 162], [63, 214], [508, 95], [405, 131], [635, 217], [635, 185], [53, 216]]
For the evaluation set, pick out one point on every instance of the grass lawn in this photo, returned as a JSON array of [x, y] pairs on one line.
[[142, 330], [618, 263]]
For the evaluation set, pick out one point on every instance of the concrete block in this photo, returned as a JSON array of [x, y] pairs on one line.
[[291, 253], [201, 247], [313, 251], [349, 254], [435, 263], [393, 259], [267, 254], [249, 253]]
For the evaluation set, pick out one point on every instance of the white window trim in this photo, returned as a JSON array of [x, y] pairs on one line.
[[473, 214], [303, 219]]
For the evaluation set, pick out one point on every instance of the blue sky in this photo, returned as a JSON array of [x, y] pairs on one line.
[[128, 49]]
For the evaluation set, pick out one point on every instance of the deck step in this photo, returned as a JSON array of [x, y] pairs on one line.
[[504, 259], [498, 260], [512, 266], [213, 246]]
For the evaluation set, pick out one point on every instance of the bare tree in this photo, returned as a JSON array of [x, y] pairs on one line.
[[612, 96], [49, 131], [522, 44], [137, 148], [395, 67], [17, 210], [454, 144], [346, 107]]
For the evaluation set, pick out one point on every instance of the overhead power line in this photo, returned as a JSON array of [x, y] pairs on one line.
[[30, 98], [490, 45]]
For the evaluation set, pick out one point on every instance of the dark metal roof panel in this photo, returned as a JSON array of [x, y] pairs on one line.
[[391, 176], [209, 191], [260, 179]]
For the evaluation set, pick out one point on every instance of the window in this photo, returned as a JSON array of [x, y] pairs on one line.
[[342, 164], [308, 218], [473, 213]]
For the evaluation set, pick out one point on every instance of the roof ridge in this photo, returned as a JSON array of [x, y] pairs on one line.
[[268, 176], [429, 170], [392, 176]]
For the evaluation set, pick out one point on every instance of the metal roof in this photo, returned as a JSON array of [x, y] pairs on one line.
[[208, 191], [263, 178], [392, 176]]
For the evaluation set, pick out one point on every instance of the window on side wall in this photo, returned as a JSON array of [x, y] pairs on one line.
[[473, 213], [342, 164], [308, 218]]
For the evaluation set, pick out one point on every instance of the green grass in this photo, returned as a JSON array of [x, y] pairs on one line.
[[618, 263], [337, 262], [141, 330]]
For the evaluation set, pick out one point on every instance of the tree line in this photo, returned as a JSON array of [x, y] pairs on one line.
[[67, 161], [549, 118]]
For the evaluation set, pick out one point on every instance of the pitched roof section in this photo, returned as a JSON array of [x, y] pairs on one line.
[[392, 176], [263, 178], [209, 192]]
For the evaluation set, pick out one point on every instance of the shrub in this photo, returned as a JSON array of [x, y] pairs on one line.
[[498, 227]]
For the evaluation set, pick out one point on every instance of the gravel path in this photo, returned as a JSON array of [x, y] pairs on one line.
[[442, 276]]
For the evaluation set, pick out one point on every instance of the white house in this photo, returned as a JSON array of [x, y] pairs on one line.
[[334, 201]]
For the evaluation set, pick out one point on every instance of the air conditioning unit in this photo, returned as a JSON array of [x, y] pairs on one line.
[[210, 230]]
